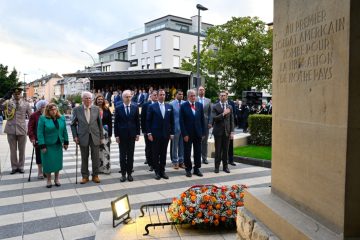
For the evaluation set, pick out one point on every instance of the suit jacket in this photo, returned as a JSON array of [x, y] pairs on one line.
[[108, 96], [16, 125], [222, 124], [192, 125], [144, 110], [207, 106], [82, 129], [48, 134], [158, 126], [140, 100], [176, 109], [127, 126]]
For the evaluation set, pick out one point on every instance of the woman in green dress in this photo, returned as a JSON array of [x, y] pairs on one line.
[[52, 137]]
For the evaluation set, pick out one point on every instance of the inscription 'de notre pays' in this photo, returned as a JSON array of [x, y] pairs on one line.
[[306, 51]]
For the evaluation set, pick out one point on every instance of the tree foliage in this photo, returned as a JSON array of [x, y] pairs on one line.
[[236, 55], [8, 80]]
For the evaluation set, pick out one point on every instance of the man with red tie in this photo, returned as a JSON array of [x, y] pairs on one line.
[[192, 125]]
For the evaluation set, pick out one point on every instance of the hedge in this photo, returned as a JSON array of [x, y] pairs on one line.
[[260, 129]]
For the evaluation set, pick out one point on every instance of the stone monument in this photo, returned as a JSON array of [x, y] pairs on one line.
[[315, 189]]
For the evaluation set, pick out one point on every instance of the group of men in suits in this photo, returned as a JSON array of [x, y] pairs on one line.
[[185, 123]]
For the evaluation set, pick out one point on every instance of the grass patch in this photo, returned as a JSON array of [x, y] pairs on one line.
[[253, 151]]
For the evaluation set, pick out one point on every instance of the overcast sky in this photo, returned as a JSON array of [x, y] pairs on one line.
[[46, 36]]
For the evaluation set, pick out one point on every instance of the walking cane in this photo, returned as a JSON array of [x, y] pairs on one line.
[[76, 163], [32, 158]]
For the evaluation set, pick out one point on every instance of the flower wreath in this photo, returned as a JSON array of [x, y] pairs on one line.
[[207, 204]]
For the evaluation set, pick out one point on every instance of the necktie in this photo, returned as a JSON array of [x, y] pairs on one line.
[[87, 114], [179, 103], [162, 109], [127, 111], [223, 106], [193, 108]]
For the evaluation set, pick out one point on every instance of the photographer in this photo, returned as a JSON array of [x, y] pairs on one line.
[[15, 110], [32, 132]]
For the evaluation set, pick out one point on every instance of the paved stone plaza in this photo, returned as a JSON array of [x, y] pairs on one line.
[[29, 210]]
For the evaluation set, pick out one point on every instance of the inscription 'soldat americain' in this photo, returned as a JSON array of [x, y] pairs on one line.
[[306, 51]]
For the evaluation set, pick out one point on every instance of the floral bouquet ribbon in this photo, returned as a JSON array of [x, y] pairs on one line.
[[207, 204]]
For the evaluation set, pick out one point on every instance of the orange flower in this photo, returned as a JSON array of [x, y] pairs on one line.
[[204, 189], [210, 207], [216, 222], [223, 197], [193, 222], [213, 199], [234, 187], [216, 216], [228, 203], [179, 202], [239, 204], [206, 198], [223, 188], [218, 206], [202, 206], [229, 212], [182, 208], [242, 195], [206, 220], [223, 218], [199, 215], [183, 195], [233, 195], [210, 213], [193, 198], [192, 193], [191, 209]]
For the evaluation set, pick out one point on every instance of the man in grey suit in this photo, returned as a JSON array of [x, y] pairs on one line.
[[177, 147], [86, 128], [206, 102], [223, 131]]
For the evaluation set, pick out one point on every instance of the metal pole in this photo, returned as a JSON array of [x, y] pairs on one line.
[[198, 52], [24, 86], [89, 55]]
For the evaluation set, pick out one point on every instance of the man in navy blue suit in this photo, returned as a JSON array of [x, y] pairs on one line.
[[160, 122], [144, 128], [192, 125], [140, 98], [127, 131]]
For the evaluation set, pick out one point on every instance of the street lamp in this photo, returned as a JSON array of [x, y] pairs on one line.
[[202, 8], [89, 55], [24, 86]]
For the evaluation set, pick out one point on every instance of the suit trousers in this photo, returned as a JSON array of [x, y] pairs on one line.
[[94, 159], [204, 145], [127, 148], [231, 151], [15, 142], [159, 150], [196, 142], [177, 149], [148, 151], [221, 150]]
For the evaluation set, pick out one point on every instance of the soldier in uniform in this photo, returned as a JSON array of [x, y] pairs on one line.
[[15, 109]]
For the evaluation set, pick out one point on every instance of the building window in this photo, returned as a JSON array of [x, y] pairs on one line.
[[122, 56], [133, 63], [176, 61], [145, 46], [133, 49], [157, 42], [143, 63], [106, 68], [111, 57], [148, 63], [176, 42], [157, 62]]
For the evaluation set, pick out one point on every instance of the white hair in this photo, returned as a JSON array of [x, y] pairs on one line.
[[190, 91], [41, 104], [126, 92], [86, 94]]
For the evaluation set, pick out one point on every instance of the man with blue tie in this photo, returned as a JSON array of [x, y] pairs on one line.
[[160, 122], [127, 131], [177, 148], [192, 126]]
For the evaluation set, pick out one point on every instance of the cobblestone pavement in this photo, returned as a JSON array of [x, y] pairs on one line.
[[29, 210]]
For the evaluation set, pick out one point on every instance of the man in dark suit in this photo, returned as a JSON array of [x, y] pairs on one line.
[[140, 98], [144, 128], [192, 125], [206, 103], [231, 144], [127, 131], [160, 122], [223, 130], [87, 131], [108, 96]]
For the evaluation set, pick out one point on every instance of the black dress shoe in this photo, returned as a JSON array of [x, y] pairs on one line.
[[21, 170], [216, 170], [232, 163], [226, 170], [151, 169], [123, 178], [205, 161], [157, 177], [164, 176], [13, 171], [198, 173], [188, 174], [130, 178]]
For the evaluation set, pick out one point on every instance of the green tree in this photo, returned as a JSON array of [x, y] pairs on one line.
[[7, 80], [238, 54]]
